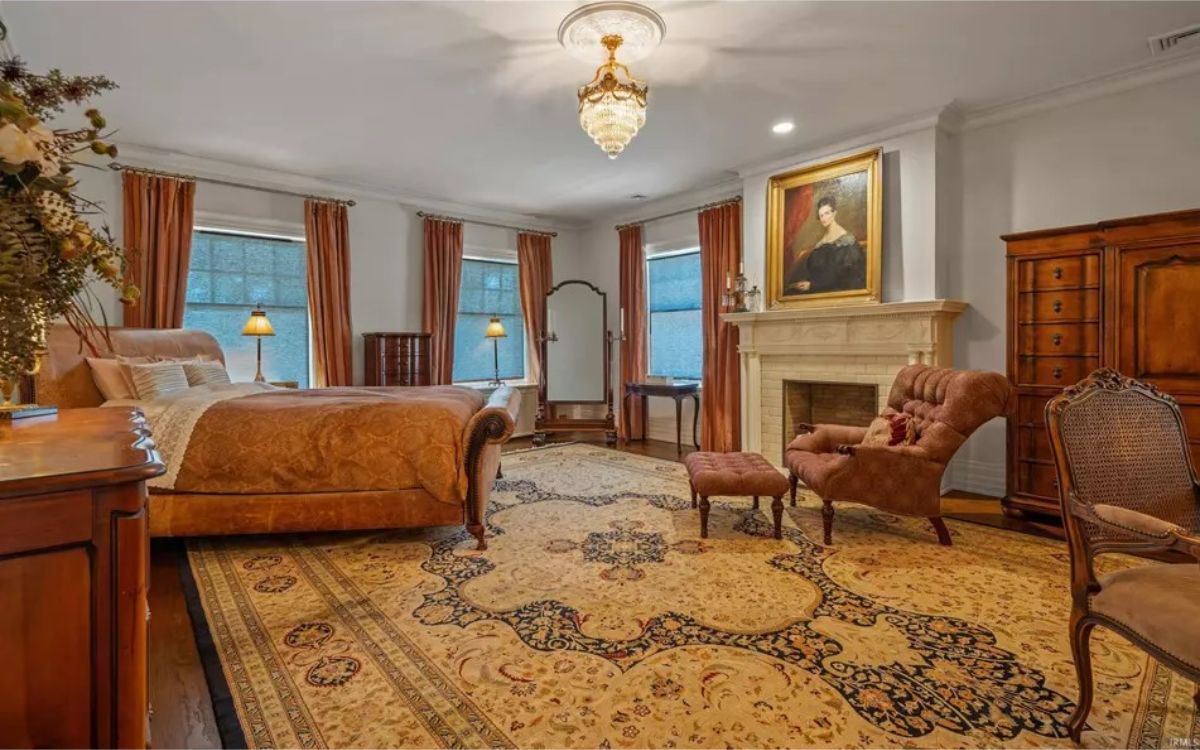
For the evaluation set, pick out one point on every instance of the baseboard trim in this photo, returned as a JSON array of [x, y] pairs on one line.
[[982, 477]]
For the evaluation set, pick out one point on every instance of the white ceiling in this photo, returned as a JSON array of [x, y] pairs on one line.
[[474, 102]]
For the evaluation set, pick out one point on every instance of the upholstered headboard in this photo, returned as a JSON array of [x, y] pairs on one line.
[[65, 380]]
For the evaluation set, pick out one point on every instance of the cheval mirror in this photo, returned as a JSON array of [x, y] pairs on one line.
[[575, 392]]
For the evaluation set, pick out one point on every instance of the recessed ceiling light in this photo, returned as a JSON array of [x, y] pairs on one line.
[[784, 127]]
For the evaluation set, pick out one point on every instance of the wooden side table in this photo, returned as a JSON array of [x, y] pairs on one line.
[[676, 391]]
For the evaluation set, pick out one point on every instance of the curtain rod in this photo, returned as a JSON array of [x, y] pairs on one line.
[[681, 212], [127, 168], [460, 220]]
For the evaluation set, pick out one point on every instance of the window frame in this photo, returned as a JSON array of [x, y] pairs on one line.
[[483, 254], [662, 252], [272, 229]]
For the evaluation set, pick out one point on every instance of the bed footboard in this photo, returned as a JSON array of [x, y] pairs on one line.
[[489, 429]]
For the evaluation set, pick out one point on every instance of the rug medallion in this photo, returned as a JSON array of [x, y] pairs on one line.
[[599, 618]]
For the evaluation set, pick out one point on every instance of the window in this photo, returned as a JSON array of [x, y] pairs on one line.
[[231, 273], [675, 328], [488, 288]]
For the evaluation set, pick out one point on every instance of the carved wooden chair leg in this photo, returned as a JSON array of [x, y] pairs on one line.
[[704, 517], [1081, 631], [943, 533], [692, 488], [478, 531], [827, 520], [777, 515], [756, 502], [793, 480]]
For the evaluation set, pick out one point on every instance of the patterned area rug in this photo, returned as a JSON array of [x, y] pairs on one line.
[[599, 618]]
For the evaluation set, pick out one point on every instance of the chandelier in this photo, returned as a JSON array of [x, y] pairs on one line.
[[612, 106]]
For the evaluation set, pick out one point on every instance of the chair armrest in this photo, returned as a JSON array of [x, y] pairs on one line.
[[823, 438], [1141, 526], [907, 451]]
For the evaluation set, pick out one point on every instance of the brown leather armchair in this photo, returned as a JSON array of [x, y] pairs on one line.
[[1127, 484], [947, 406]]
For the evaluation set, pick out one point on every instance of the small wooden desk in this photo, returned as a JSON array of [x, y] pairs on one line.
[[676, 391]]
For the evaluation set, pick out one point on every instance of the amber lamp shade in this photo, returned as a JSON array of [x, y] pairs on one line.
[[258, 326], [495, 329]]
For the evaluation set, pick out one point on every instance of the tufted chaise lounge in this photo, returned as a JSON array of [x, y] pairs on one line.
[[947, 405]]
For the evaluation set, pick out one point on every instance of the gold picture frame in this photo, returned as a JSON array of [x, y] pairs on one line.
[[813, 259]]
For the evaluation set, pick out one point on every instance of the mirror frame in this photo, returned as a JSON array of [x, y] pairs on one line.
[[548, 419]]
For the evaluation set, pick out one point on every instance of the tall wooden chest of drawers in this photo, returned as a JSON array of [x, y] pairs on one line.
[[1120, 294], [74, 555], [396, 358]]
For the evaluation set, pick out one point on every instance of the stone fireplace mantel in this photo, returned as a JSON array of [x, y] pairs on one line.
[[851, 344]]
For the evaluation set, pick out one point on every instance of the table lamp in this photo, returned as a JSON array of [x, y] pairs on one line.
[[258, 326], [495, 332]]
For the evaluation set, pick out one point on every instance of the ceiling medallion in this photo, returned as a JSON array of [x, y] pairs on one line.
[[612, 107]]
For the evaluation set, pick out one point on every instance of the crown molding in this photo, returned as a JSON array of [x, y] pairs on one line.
[[261, 177], [1146, 73], [927, 121], [727, 188]]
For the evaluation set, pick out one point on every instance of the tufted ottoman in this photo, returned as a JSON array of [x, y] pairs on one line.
[[736, 474]]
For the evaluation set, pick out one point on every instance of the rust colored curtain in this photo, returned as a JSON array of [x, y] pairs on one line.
[[327, 231], [157, 226], [720, 400], [443, 274], [634, 357], [536, 278]]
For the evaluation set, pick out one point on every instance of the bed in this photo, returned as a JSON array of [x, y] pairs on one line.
[[249, 458]]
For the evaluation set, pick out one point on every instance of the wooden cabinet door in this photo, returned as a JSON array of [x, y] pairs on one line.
[[46, 650], [1158, 316]]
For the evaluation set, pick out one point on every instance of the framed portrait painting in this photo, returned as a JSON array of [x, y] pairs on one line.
[[824, 233]]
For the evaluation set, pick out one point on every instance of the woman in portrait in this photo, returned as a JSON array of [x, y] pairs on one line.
[[836, 263]]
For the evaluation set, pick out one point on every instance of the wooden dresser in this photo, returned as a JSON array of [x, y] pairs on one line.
[[74, 554], [396, 358], [1118, 294]]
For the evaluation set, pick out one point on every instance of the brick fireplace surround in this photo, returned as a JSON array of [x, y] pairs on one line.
[[865, 344]]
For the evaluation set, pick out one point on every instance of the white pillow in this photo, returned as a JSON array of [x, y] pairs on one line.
[[157, 379], [204, 373]]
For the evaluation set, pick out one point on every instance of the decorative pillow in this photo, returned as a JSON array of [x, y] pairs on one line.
[[111, 376], [157, 379], [896, 429], [204, 373]]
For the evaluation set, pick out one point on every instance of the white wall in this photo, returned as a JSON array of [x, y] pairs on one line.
[[910, 240], [1130, 153]]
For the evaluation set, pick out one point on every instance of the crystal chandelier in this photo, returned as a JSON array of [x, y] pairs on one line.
[[612, 111], [612, 106]]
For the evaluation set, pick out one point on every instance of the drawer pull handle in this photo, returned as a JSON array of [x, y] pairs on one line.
[[1057, 339], [1057, 373], [1057, 305], [1054, 483], [1058, 272]]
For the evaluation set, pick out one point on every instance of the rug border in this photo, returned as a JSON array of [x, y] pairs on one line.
[[229, 727]]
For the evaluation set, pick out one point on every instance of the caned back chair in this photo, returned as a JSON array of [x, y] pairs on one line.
[[1127, 484]]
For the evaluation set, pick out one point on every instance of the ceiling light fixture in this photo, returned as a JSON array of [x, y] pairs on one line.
[[612, 106], [783, 128]]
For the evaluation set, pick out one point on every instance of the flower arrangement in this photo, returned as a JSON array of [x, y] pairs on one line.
[[48, 252]]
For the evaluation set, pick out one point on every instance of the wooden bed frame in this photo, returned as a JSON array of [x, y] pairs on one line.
[[65, 381]]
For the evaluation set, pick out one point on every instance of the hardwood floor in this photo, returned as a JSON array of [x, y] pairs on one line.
[[182, 710]]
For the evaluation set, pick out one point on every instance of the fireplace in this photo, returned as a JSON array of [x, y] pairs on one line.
[[818, 402]]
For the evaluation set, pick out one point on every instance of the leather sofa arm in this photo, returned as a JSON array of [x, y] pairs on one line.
[[825, 437], [497, 420]]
